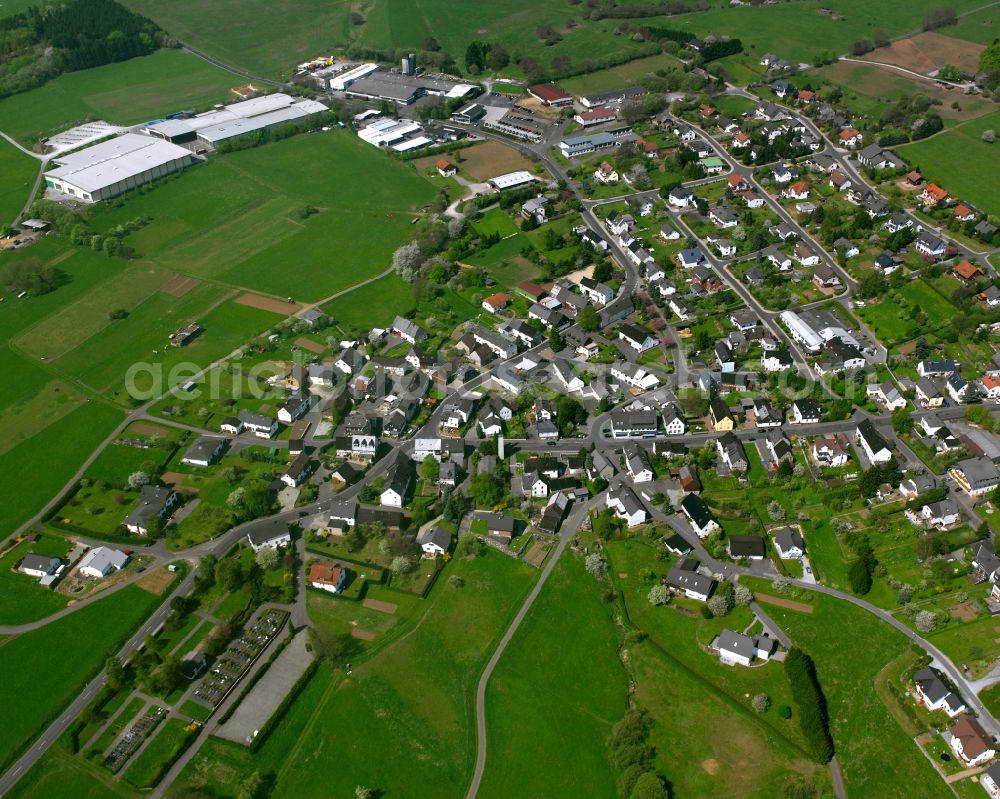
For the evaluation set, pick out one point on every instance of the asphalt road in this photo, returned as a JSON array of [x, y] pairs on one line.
[[539, 151]]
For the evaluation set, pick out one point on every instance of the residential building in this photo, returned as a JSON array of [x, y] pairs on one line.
[[685, 577], [752, 547], [154, 502], [872, 443], [971, 744], [975, 476], [698, 514], [102, 561], [434, 541], [626, 505], [329, 577], [269, 534], [788, 543]]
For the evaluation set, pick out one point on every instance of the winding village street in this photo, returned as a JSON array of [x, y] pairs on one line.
[[597, 436]]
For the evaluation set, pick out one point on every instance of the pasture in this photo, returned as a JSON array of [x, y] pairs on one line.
[[124, 93], [43, 670], [865, 733], [798, 31], [958, 159], [61, 775], [376, 303], [867, 88], [236, 219], [17, 176], [230, 30], [929, 51], [982, 26], [563, 660], [628, 74]]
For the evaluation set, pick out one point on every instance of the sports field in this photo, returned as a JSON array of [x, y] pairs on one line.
[[43, 670], [236, 220], [125, 93], [958, 158], [555, 694], [17, 176]]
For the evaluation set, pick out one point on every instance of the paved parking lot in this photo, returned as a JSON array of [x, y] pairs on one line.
[[268, 693]]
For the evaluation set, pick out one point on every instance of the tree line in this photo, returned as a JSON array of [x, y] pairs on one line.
[[42, 42], [808, 695]]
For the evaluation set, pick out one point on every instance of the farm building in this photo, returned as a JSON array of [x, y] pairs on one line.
[[512, 180], [113, 167]]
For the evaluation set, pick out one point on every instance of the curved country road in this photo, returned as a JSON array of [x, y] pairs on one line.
[[569, 528]]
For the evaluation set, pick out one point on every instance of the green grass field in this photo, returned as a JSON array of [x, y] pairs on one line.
[[958, 158], [22, 599], [43, 670], [17, 176], [982, 27], [555, 694], [146, 769], [411, 730], [865, 734], [229, 30], [62, 775], [124, 93], [727, 747], [375, 304], [235, 219], [798, 31], [615, 77], [402, 722]]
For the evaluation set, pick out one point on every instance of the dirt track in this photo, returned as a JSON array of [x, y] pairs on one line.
[[379, 605], [268, 304], [801, 607], [179, 285]]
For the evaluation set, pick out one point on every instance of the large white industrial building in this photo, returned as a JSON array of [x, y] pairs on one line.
[[237, 119], [113, 167]]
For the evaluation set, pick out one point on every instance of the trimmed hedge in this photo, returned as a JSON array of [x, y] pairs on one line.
[[808, 695], [286, 703]]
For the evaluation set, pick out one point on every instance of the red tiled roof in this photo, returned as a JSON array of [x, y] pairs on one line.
[[936, 192], [962, 210], [848, 134], [966, 270], [601, 113], [532, 289], [549, 93], [325, 573], [497, 300], [741, 136]]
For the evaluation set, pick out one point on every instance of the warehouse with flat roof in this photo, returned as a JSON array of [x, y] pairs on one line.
[[113, 167], [236, 119]]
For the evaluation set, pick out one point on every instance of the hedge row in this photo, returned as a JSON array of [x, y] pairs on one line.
[[808, 695]]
